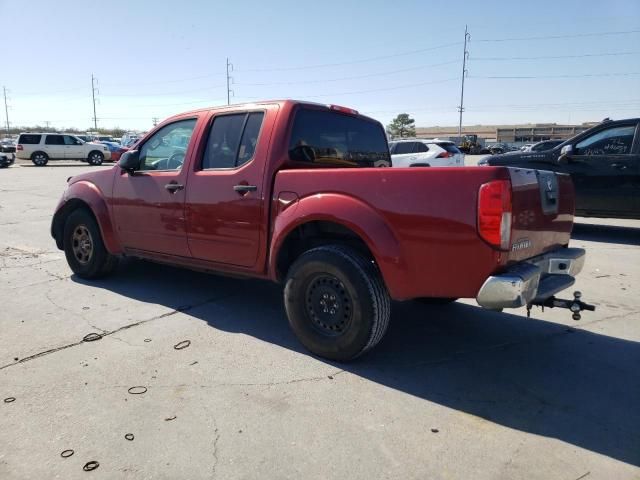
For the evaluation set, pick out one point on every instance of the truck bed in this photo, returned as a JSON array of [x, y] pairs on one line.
[[431, 216]]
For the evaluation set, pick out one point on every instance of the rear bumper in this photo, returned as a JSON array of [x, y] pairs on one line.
[[535, 279]]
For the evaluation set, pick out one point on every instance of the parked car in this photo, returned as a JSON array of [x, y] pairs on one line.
[[116, 150], [604, 163], [129, 139], [544, 145], [7, 146], [272, 190], [103, 138], [83, 137], [6, 159], [42, 147], [499, 148], [420, 152]]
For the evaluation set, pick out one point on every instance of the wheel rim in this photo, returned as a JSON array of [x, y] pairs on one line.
[[95, 158], [328, 305], [82, 244], [39, 159]]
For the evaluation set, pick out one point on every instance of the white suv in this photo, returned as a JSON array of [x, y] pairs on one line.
[[42, 147], [420, 152]]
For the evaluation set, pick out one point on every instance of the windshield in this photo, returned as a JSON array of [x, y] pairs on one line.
[[330, 138]]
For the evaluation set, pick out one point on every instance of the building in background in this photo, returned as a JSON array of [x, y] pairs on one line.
[[511, 134]]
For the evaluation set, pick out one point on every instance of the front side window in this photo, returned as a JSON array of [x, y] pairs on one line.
[[54, 140], [324, 137], [166, 148], [69, 140], [232, 140], [612, 141]]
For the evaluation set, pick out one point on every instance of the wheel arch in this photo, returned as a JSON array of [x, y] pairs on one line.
[[87, 196], [335, 219]]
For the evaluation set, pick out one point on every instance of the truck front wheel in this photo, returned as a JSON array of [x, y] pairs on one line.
[[336, 302], [84, 248]]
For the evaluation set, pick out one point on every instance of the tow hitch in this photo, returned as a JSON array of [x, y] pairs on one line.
[[575, 305]]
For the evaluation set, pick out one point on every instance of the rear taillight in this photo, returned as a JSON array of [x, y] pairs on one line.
[[19, 147], [445, 155], [494, 213]]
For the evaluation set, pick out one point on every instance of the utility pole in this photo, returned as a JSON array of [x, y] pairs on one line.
[[155, 121], [229, 79], [93, 96], [467, 36], [6, 107]]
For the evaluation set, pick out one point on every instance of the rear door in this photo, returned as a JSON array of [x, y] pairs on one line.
[[604, 168], [54, 146], [403, 154], [226, 195]]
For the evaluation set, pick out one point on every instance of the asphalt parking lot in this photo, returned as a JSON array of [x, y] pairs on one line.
[[451, 392]]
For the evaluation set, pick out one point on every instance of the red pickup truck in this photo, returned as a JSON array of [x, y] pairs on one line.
[[270, 190]]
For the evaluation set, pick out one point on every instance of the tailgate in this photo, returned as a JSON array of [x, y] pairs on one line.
[[542, 212]]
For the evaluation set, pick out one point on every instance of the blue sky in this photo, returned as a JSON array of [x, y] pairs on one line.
[[154, 59]]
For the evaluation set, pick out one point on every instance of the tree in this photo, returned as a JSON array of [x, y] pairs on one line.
[[402, 126]]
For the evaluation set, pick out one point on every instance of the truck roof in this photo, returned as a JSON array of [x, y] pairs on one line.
[[281, 102]]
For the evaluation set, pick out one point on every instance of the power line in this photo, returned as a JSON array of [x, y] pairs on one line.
[[364, 60], [586, 75], [355, 77], [166, 93], [553, 37], [552, 57]]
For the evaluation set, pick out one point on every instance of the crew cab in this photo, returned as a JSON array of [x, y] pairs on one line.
[[603, 161], [273, 190]]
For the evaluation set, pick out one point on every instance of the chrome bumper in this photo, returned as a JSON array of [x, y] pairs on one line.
[[532, 280]]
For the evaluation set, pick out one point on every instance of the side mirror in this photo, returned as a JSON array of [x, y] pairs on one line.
[[130, 161], [565, 153]]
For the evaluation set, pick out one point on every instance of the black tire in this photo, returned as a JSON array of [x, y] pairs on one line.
[[95, 158], [39, 159], [436, 300], [99, 262], [357, 307]]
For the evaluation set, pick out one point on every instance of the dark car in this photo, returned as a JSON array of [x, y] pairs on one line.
[[7, 146], [604, 163], [545, 145], [6, 159]]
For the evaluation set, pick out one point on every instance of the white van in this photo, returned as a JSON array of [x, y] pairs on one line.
[[42, 147]]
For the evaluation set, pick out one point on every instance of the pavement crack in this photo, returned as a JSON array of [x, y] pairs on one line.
[[216, 438], [106, 333]]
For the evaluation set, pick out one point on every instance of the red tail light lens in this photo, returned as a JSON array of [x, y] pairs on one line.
[[19, 147], [445, 155], [494, 213]]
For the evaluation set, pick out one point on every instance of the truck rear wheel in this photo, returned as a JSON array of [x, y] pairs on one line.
[[336, 302], [84, 248]]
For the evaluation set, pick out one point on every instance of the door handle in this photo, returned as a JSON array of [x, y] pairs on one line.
[[619, 166], [245, 188], [173, 187]]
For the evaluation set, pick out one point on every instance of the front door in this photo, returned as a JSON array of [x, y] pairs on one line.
[[604, 168], [54, 146], [227, 194], [73, 147], [148, 205]]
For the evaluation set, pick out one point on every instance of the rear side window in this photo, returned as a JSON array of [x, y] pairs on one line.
[[403, 147], [420, 148], [449, 147], [54, 140], [328, 138], [29, 139], [232, 140]]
